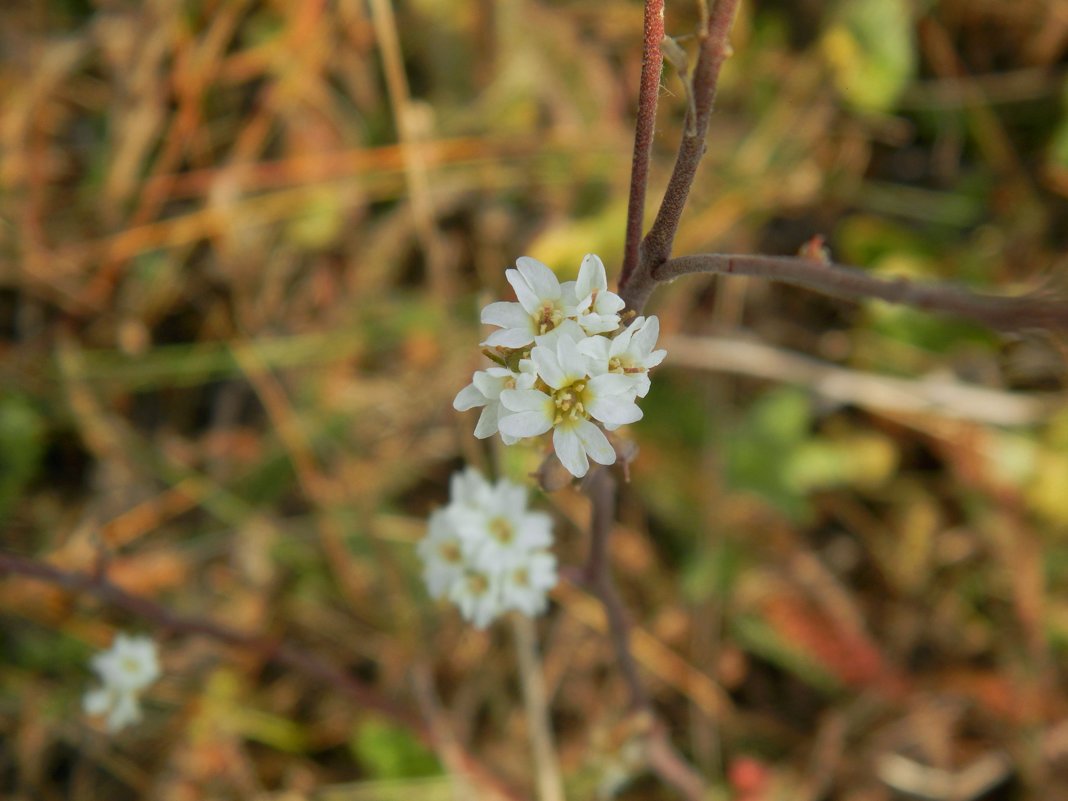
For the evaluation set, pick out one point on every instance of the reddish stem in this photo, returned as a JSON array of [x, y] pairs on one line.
[[655, 249], [649, 89]]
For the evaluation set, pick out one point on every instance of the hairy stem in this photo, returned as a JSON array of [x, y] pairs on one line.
[[636, 286], [600, 487], [851, 283], [664, 760], [649, 89]]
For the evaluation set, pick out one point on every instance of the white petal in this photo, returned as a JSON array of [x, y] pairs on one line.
[[599, 323], [596, 349], [524, 424], [595, 443], [540, 278], [527, 400], [510, 338], [654, 358], [490, 382], [568, 296], [505, 314], [567, 328], [591, 276], [572, 362], [611, 384], [468, 398], [609, 303], [569, 450], [615, 410], [641, 383], [645, 337], [621, 344], [530, 302], [548, 366], [487, 421], [96, 702], [125, 711]]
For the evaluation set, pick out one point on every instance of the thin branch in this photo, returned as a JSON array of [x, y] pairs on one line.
[[600, 487], [549, 780], [851, 283], [930, 395], [669, 765], [664, 760], [649, 89], [656, 247], [270, 648]]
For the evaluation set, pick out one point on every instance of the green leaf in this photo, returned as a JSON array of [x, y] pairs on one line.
[[21, 448], [869, 46], [863, 460], [757, 450], [757, 637], [389, 752]]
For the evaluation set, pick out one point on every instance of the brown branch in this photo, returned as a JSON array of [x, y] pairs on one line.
[[273, 649], [664, 760], [600, 487], [851, 283], [649, 89], [656, 247]]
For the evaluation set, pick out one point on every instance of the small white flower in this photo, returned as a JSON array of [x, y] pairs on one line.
[[126, 669], [598, 309], [505, 535], [443, 553], [524, 587], [543, 304], [630, 354], [575, 398], [485, 391], [468, 489], [486, 552], [478, 594]]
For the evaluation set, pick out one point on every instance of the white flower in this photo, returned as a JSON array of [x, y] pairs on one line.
[[524, 587], [467, 488], [485, 391], [505, 536], [478, 594], [443, 553], [543, 304], [126, 669], [630, 354], [486, 552], [598, 309], [574, 396], [566, 365]]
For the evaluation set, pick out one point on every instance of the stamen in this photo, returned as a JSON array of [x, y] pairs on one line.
[[501, 530]]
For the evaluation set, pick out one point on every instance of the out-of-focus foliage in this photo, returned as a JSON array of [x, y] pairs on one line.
[[235, 305]]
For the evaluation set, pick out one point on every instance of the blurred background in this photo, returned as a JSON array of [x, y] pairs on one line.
[[243, 246]]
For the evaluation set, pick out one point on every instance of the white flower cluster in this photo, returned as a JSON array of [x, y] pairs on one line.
[[565, 364], [486, 553], [129, 667]]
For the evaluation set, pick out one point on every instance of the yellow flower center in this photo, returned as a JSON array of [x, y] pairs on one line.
[[477, 584], [569, 403], [450, 552], [548, 317], [501, 530], [618, 365], [130, 665]]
